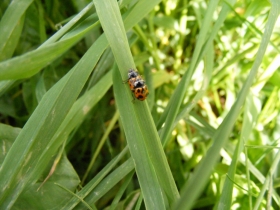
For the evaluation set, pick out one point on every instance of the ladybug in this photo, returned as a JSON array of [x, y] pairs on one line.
[[137, 85], [140, 90]]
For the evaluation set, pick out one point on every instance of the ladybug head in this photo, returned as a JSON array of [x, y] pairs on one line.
[[132, 73]]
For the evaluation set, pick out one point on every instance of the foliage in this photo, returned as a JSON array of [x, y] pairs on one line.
[[72, 137]]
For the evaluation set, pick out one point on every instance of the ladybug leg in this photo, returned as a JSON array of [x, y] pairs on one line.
[[133, 99], [125, 81], [133, 96]]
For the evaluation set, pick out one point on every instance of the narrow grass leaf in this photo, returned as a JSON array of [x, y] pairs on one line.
[[254, 171], [108, 182], [265, 186], [121, 191], [11, 25], [89, 189], [209, 63], [68, 26], [139, 11], [101, 143], [250, 118]]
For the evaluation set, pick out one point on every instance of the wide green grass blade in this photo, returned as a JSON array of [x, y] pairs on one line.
[[16, 64], [42, 125], [146, 174], [30, 63], [199, 178], [150, 163], [10, 26]]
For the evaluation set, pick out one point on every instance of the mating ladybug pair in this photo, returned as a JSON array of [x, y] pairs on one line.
[[137, 85]]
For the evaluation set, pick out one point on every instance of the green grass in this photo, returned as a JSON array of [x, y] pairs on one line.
[[73, 138]]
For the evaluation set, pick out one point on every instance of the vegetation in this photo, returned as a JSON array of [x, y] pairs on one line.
[[73, 137]]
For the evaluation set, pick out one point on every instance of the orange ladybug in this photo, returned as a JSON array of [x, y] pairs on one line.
[[137, 85]]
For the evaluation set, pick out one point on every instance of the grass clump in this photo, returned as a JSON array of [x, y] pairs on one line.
[[72, 137]]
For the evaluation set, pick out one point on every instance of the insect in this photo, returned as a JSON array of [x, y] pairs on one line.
[[140, 90], [137, 85]]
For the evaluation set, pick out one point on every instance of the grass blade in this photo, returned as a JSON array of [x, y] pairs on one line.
[[149, 157], [10, 26]]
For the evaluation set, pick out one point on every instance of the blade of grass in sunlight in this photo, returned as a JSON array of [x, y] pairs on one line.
[[198, 180], [116, 36]]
